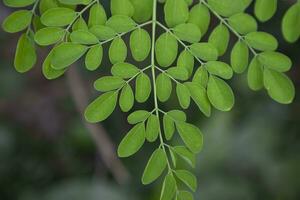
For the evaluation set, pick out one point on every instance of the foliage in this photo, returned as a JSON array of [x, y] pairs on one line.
[[58, 24]]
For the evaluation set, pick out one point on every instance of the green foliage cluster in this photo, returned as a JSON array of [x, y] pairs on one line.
[[178, 58]]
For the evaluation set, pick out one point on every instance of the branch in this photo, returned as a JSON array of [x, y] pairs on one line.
[[103, 143]]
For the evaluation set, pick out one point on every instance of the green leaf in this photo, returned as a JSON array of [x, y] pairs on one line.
[[262, 41], [205, 51], [220, 69], [228, 8], [25, 56], [133, 141], [199, 15], [75, 2], [178, 73], [152, 128], [124, 70], [201, 77], [191, 136], [243, 23], [275, 60], [121, 23], [184, 195], [117, 51], [188, 178], [140, 44], [17, 21], [169, 126], [142, 10], [185, 154], [183, 95], [97, 15], [176, 12], [163, 87], [121, 7], [101, 108], [66, 54], [177, 115], [108, 83], [166, 49], [48, 71], [18, 3], [126, 100], [255, 75], [103, 32], [220, 38], [291, 22], [45, 5], [220, 94], [58, 17], [138, 116], [198, 94], [279, 86], [155, 166], [49, 35], [188, 32], [239, 57], [186, 60], [142, 88], [94, 57], [80, 24], [83, 37], [169, 188], [265, 9]]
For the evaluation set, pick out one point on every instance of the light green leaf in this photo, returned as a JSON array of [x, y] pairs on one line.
[[83, 37], [103, 32], [186, 60], [188, 32], [169, 188], [66, 54], [58, 17], [262, 41], [177, 115], [191, 136], [25, 56], [117, 51], [291, 23], [228, 8], [124, 70], [220, 69], [155, 166], [108, 83], [188, 178], [178, 73], [220, 94], [94, 57], [199, 15], [133, 141], [275, 60], [121, 7], [220, 38], [205, 51], [101, 108], [239, 57], [265, 9], [142, 10], [18, 3], [163, 87], [176, 12], [49, 35], [138, 116], [152, 128], [126, 100], [183, 95], [185, 154], [97, 15], [243, 23], [80, 24], [142, 88], [279, 86], [166, 49], [255, 75], [201, 77], [121, 23], [45, 5], [169, 126], [17, 21], [48, 70], [140, 44], [198, 94], [184, 195], [75, 2]]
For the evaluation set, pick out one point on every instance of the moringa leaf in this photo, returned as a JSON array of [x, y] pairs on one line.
[[187, 178], [18, 3], [186, 60], [120, 23], [166, 49], [183, 95], [138, 116], [58, 16], [291, 22], [228, 8], [121, 7], [243, 23], [205, 51], [220, 69], [108, 83], [49, 35], [83, 37], [94, 57], [97, 15], [103, 32], [187, 32], [265, 9], [163, 87], [178, 73], [239, 57], [200, 16], [201, 77], [142, 88], [140, 44], [220, 38], [169, 126], [126, 100], [124, 70], [48, 71], [255, 75], [184, 195], [17, 21], [261, 41], [176, 12], [117, 51], [152, 128], [275, 60], [142, 10], [168, 190], [185, 154]]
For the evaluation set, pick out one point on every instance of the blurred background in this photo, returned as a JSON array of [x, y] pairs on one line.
[[47, 152]]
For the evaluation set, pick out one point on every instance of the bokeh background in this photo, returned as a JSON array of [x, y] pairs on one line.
[[48, 153]]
